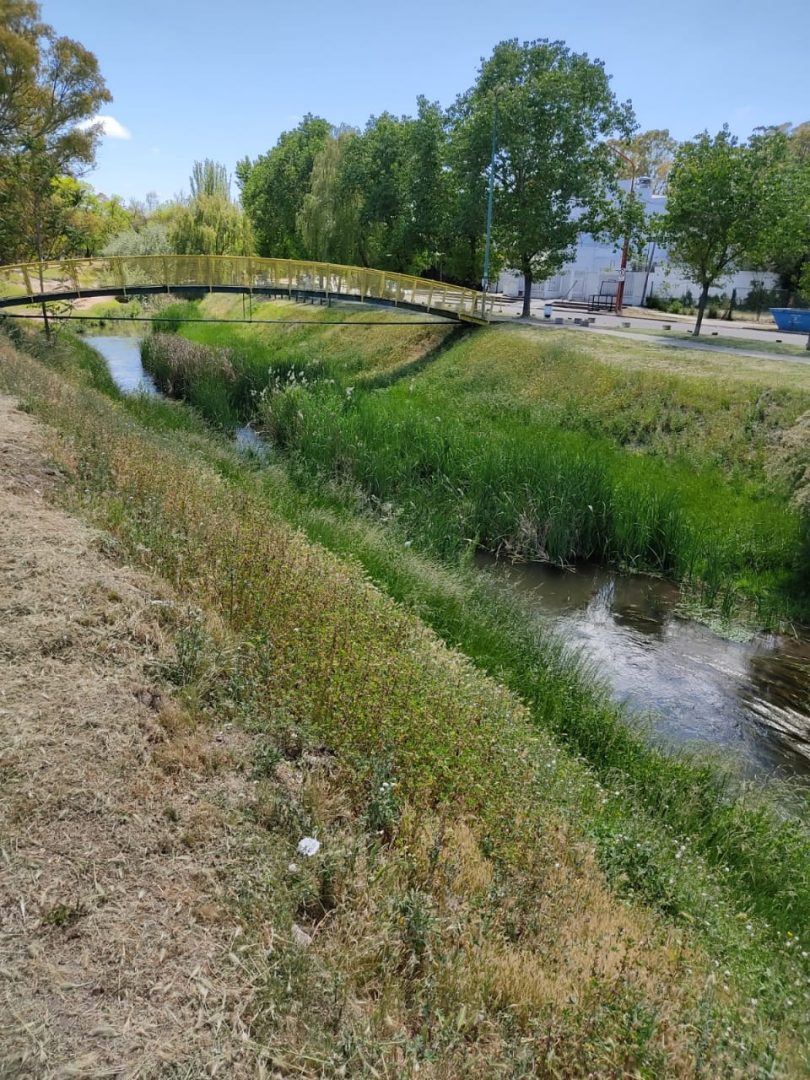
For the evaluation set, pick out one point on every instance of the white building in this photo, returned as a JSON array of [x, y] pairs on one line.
[[594, 270]]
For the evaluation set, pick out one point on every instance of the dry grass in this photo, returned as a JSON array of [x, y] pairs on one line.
[[462, 931], [114, 962]]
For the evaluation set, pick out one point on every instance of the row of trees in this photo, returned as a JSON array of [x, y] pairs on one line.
[[542, 124], [540, 136], [410, 193]]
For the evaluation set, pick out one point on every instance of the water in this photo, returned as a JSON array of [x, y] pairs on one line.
[[752, 699], [123, 356]]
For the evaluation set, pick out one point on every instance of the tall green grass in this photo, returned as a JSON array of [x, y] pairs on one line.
[[483, 468]]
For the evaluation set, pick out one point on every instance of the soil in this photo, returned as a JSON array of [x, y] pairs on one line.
[[121, 818]]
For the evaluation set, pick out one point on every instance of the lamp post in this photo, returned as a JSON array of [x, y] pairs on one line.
[[490, 200], [626, 244]]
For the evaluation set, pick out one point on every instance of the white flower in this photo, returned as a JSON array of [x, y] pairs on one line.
[[309, 846], [293, 867]]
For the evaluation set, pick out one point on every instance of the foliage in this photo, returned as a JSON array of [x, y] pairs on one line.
[[552, 110], [151, 239], [50, 88], [210, 223], [652, 152], [274, 187], [723, 198], [786, 246], [329, 219], [210, 178]]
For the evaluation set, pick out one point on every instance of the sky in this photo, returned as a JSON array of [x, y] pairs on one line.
[[192, 79]]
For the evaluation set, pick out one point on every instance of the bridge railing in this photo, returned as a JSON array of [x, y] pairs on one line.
[[123, 272]]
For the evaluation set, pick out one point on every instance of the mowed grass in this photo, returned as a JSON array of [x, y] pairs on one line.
[[785, 347], [526, 443], [459, 923]]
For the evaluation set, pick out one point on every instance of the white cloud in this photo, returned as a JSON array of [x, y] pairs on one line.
[[110, 127]]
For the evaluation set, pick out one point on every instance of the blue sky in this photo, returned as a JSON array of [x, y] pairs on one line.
[[204, 78]]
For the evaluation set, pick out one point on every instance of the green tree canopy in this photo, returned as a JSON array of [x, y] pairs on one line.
[[210, 178], [787, 245], [50, 90], [552, 110], [275, 185], [652, 152], [328, 223], [723, 202], [210, 223]]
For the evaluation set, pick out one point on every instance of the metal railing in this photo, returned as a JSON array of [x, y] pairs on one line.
[[120, 274]]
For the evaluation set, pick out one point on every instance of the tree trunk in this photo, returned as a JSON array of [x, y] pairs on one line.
[[704, 296], [527, 292]]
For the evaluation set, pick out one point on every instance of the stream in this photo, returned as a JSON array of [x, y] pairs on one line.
[[750, 699]]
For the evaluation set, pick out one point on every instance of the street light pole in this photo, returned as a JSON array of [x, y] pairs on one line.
[[490, 200], [626, 244]]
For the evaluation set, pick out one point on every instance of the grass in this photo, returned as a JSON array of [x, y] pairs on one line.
[[583, 459], [477, 936], [750, 344]]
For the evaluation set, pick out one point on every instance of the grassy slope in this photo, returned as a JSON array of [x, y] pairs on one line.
[[652, 856], [462, 928], [599, 449]]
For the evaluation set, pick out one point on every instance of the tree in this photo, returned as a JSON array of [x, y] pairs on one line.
[[552, 111], [210, 223], [274, 186], [787, 245], [50, 89], [653, 153], [723, 200], [210, 178], [151, 239], [328, 222]]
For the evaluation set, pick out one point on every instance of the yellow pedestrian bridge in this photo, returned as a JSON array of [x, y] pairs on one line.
[[76, 279]]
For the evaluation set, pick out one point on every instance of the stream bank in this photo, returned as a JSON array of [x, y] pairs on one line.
[[691, 685]]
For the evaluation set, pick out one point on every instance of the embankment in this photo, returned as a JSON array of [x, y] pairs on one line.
[[465, 912], [524, 444]]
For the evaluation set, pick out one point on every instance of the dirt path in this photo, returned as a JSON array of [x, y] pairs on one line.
[[119, 819]]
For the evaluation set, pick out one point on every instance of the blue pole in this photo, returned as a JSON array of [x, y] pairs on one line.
[[490, 197]]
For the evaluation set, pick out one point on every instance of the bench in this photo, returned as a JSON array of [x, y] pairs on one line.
[[605, 299]]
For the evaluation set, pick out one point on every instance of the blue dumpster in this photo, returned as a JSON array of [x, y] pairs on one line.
[[792, 320]]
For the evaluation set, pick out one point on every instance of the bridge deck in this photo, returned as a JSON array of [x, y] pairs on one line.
[[187, 274]]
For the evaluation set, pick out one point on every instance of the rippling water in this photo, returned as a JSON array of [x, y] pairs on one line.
[[752, 698]]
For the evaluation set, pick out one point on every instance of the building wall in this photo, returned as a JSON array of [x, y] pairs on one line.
[[595, 269]]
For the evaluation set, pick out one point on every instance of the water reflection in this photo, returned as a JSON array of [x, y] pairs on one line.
[[752, 698], [123, 356]]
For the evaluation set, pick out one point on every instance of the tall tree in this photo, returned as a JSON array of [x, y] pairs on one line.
[[652, 152], [50, 90], [787, 247], [275, 185], [328, 222], [723, 199], [551, 110], [210, 178], [210, 223]]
